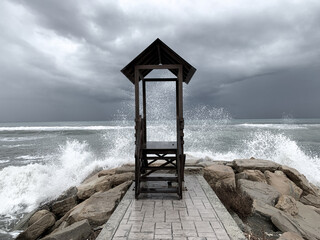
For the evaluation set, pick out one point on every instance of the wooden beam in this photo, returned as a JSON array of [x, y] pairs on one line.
[[161, 79], [166, 66], [170, 179], [159, 190]]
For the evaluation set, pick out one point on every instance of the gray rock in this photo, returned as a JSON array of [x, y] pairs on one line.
[[284, 185], [77, 231], [37, 215], [287, 204], [311, 200], [252, 175], [262, 227], [118, 179], [39, 227], [192, 162], [92, 175], [106, 172], [290, 236], [220, 175], [306, 222], [193, 170], [299, 179], [263, 209], [23, 223], [125, 169], [71, 192], [315, 189], [58, 223], [203, 163], [317, 210], [103, 183], [99, 207], [259, 191], [255, 164], [243, 227], [60, 208], [63, 225]]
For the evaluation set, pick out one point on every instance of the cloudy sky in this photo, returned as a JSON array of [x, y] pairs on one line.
[[61, 60]]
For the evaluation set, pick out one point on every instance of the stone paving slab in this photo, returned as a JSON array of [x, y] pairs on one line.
[[199, 215]]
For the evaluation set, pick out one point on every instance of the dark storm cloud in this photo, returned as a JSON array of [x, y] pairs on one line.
[[61, 60]]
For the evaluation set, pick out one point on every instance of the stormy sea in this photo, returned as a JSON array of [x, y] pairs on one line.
[[38, 161]]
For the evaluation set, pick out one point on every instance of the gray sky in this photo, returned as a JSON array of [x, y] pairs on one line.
[[61, 60]]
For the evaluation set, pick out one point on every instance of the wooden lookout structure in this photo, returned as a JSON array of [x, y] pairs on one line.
[[147, 154]]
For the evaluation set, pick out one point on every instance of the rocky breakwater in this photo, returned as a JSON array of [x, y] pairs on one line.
[[80, 212], [273, 201]]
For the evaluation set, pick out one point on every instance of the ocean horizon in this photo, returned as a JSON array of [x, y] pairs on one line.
[[39, 160]]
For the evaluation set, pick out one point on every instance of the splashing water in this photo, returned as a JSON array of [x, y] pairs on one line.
[[20, 186], [281, 149], [209, 133], [270, 146]]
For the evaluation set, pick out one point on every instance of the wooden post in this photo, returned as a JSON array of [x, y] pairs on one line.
[[144, 109], [180, 77], [136, 84], [137, 160], [180, 132]]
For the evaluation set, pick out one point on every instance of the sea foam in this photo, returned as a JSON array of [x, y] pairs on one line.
[[22, 188], [270, 146], [60, 128]]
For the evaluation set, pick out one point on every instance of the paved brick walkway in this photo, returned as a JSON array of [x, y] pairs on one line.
[[165, 217]]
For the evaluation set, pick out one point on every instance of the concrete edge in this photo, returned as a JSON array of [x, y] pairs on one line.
[[226, 219], [112, 224]]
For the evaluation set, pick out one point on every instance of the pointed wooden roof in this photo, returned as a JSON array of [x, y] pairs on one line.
[[156, 54]]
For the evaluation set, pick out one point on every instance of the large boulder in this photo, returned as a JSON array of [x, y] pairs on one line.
[[99, 207], [103, 183], [317, 210], [24, 222], [39, 227], [287, 204], [77, 231], [315, 189], [290, 236], [118, 179], [220, 175], [252, 175], [60, 208], [311, 200], [125, 169], [71, 192], [306, 222], [260, 191], [105, 172], [88, 188], [255, 164], [299, 179], [284, 185], [263, 209], [37, 215]]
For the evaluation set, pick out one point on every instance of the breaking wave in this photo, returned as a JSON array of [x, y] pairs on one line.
[[271, 146], [273, 126], [22, 188], [58, 128]]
